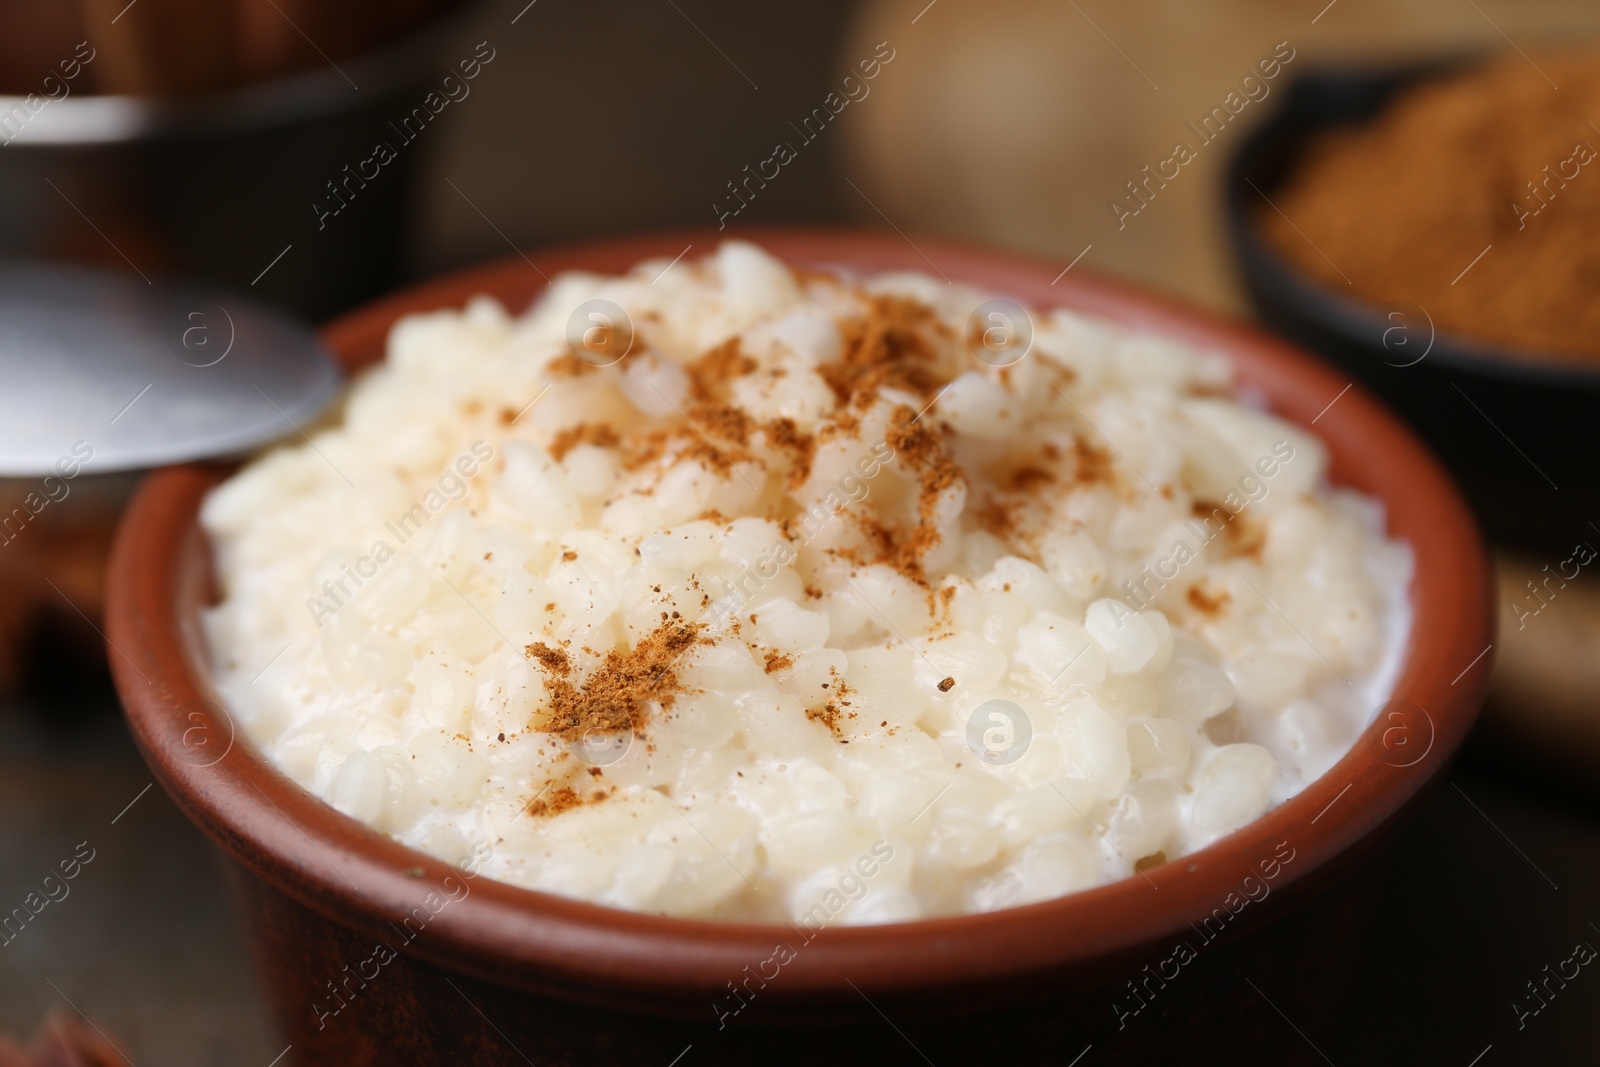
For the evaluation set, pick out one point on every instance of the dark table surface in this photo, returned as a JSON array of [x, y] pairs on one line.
[[1494, 880]]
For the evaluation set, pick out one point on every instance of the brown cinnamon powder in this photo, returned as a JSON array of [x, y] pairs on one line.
[[618, 694], [585, 433], [710, 374], [715, 436], [887, 346], [800, 448], [921, 447], [1493, 162], [1207, 603], [552, 659], [1031, 478], [1093, 464], [568, 365], [554, 802], [828, 715], [1241, 535]]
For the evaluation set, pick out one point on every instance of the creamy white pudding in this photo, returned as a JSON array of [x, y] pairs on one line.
[[741, 583]]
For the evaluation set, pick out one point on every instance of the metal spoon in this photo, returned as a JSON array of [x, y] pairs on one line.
[[146, 374]]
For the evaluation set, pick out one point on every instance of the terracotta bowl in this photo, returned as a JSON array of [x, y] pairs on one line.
[[374, 953]]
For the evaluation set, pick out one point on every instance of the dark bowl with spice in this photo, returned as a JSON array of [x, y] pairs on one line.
[[1195, 959], [1430, 230]]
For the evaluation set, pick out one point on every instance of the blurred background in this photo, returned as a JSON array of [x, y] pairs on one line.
[[238, 142]]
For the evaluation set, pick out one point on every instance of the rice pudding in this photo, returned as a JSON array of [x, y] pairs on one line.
[[726, 590]]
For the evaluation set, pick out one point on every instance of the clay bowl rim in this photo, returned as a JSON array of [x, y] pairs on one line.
[[584, 952]]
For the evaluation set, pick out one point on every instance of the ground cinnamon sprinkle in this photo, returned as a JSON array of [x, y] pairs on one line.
[[1093, 464], [913, 440], [555, 802], [894, 343], [642, 449], [917, 543], [832, 714], [552, 659], [681, 442], [940, 474], [843, 423], [1207, 603], [939, 601], [921, 447], [710, 374], [618, 694], [1492, 156], [801, 448], [778, 661], [723, 422], [901, 549], [1247, 537], [996, 516], [829, 716], [1029, 478], [568, 365], [1241, 536], [585, 433], [887, 346]]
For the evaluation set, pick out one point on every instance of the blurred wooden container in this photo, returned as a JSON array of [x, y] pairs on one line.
[[1014, 122], [184, 47], [1544, 699], [52, 573]]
